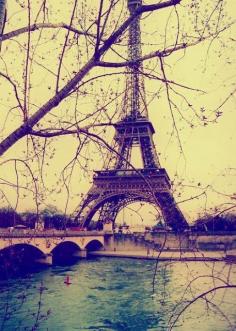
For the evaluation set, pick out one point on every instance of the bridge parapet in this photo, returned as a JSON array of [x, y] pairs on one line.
[[51, 233]]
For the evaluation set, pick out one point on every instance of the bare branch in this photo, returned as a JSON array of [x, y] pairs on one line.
[[160, 53], [15, 90], [38, 26], [202, 295]]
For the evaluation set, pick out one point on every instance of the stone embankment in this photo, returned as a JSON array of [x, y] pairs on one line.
[[170, 246], [166, 255]]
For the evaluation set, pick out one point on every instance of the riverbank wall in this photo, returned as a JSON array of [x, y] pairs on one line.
[[171, 241], [170, 246]]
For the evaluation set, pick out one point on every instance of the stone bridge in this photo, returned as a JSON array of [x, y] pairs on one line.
[[48, 246], [45, 244]]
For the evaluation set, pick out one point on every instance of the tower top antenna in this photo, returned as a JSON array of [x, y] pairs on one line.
[[134, 103]]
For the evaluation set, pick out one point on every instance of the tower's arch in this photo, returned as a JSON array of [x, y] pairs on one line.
[[108, 206], [139, 215]]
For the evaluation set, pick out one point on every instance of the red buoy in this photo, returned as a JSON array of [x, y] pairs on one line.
[[67, 280]]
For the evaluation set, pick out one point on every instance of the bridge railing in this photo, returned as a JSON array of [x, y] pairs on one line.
[[29, 233]]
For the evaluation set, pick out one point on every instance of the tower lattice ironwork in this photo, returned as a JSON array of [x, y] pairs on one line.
[[123, 184]]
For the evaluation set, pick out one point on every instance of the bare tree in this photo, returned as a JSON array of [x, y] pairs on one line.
[[62, 74]]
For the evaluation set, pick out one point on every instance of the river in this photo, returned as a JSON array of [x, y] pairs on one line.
[[115, 294]]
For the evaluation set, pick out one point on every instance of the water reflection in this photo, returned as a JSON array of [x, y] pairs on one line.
[[116, 294]]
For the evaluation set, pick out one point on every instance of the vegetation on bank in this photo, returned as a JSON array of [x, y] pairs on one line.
[[221, 222], [52, 218]]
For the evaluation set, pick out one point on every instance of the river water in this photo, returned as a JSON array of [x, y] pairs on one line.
[[115, 294]]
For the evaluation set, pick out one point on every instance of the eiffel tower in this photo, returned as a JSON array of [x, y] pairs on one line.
[[122, 184]]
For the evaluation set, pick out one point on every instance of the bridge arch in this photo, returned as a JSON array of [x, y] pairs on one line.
[[13, 257], [22, 247], [66, 243], [94, 245], [65, 251]]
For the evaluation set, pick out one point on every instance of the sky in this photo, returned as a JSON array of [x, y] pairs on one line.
[[200, 159]]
